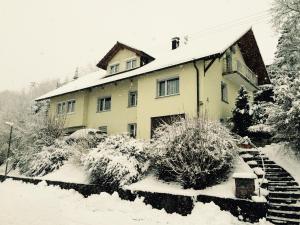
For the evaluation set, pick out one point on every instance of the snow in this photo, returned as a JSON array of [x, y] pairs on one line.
[[225, 189], [252, 162], [24, 204], [284, 157], [82, 133], [205, 46], [259, 198], [69, 172], [244, 175], [258, 171], [247, 156]]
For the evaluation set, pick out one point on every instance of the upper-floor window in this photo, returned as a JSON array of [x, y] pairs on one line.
[[132, 130], [71, 106], [224, 92], [104, 104], [131, 64], [168, 87], [61, 108], [114, 68], [132, 99]]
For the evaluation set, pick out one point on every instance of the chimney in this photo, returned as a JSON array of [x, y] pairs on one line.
[[175, 42]]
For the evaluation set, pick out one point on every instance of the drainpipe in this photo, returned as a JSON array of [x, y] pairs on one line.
[[197, 88]]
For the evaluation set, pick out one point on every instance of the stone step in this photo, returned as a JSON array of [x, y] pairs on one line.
[[286, 207], [275, 169], [276, 178], [279, 174], [284, 188], [285, 194], [282, 183], [284, 213], [282, 200], [281, 220]]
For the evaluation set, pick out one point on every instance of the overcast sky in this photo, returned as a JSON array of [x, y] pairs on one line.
[[45, 39]]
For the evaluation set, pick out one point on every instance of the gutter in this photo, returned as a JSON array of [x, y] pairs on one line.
[[197, 88]]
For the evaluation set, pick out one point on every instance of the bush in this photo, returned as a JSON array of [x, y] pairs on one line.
[[89, 138], [47, 160], [194, 152], [117, 161]]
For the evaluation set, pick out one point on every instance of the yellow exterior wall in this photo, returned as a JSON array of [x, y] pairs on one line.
[[148, 104], [120, 115], [77, 118], [121, 58]]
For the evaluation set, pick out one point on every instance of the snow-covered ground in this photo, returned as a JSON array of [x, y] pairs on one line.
[[225, 189], [285, 157], [27, 204], [69, 172]]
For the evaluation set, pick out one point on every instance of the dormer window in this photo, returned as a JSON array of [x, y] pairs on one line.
[[114, 68], [131, 64]]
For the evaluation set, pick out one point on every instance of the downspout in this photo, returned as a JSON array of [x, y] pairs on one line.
[[197, 88]]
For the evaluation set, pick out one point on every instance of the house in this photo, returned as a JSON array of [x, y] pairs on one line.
[[136, 90]]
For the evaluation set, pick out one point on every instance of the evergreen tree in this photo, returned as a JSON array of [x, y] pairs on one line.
[[242, 115]]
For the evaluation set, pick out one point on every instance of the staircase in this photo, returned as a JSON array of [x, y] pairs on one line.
[[284, 191]]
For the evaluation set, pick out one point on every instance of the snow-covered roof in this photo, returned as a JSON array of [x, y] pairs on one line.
[[202, 47]]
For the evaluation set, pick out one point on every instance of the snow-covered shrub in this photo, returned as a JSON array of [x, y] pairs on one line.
[[88, 138], [194, 152], [117, 161], [48, 159], [242, 114]]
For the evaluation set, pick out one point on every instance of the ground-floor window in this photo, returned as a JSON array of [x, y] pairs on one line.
[[71, 106], [224, 92], [132, 130], [104, 104], [61, 108], [103, 129]]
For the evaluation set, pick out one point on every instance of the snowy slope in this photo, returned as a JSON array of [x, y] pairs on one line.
[[27, 204]]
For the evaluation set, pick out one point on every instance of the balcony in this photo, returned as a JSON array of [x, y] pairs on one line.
[[239, 73]]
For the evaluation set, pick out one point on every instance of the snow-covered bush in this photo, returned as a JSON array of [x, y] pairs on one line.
[[242, 114], [88, 138], [48, 159], [117, 161], [194, 152]]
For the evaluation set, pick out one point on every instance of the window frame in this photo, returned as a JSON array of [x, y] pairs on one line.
[[101, 128], [129, 98], [166, 86], [131, 63], [117, 65], [224, 98], [67, 109], [62, 109], [134, 130], [99, 104]]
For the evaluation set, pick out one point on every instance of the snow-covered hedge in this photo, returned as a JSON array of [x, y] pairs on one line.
[[195, 152], [117, 161]]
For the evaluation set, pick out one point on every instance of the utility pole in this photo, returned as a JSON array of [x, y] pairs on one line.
[[9, 143]]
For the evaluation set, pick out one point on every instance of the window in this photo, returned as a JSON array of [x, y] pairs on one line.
[[131, 64], [71, 106], [224, 92], [132, 99], [114, 69], [61, 108], [103, 129], [132, 130], [104, 104], [168, 87]]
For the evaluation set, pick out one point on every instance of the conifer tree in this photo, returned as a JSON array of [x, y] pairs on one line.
[[242, 115]]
